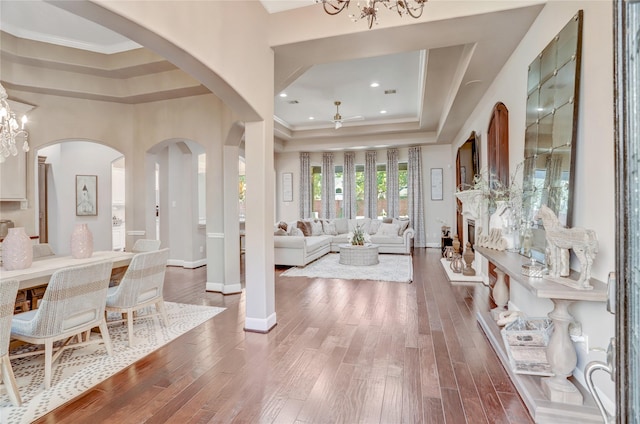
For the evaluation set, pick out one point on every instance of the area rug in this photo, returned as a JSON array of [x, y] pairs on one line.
[[78, 370], [397, 268]]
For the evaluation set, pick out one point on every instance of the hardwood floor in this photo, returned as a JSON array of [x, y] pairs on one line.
[[343, 351]]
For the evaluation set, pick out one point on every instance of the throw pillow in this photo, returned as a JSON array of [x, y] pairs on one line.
[[305, 227], [342, 225], [316, 228], [282, 225], [387, 220], [403, 224], [291, 227], [388, 230], [329, 227], [374, 226], [279, 232]]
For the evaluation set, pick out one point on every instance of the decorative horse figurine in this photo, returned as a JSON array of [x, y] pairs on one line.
[[583, 242]]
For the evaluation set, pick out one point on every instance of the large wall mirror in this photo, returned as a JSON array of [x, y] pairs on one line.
[[551, 126], [467, 167]]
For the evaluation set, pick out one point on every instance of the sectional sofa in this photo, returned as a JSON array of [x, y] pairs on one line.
[[297, 243]]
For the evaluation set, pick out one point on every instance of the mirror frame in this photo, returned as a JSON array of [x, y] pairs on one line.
[[551, 130], [474, 143]]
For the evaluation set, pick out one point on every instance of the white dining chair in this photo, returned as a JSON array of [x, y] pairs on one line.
[[141, 286], [73, 304], [8, 292], [145, 245]]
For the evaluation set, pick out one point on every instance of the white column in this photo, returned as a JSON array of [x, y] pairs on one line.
[[259, 262]]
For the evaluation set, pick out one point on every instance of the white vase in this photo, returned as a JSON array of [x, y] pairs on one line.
[[81, 242], [17, 250]]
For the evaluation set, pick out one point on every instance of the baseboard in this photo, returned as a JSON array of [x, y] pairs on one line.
[[260, 325], [223, 288], [187, 264], [433, 245]]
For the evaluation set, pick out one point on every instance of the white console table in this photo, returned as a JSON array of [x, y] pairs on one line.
[[556, 399]]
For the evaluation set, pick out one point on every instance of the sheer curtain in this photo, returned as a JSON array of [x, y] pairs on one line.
[[328, 187], [370, 186], [393, 190], [349, 186], [305, 185], [414, 188]]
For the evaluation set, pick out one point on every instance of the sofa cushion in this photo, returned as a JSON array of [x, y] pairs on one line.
[[392, 239], [342, 225], [403, 224], [291, 242], [388, 230], [305, 227], [387, 220], [279, 232], [316, 228], [291, 227], [316, 242], [329, 227], [374, 225], [361, 222]]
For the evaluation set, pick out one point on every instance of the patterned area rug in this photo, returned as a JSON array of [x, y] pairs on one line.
[[391, 268], [78, 370]]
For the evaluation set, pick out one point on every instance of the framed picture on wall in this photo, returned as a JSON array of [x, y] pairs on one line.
[[436, 183], [86, 195], [287, 187]]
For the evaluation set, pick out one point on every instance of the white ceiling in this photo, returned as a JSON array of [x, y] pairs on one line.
[[438, 70]]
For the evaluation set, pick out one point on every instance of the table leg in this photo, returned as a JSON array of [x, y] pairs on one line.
[[562, 357]]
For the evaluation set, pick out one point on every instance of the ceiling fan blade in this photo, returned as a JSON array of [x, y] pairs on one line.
[[338, 124], [353, 118]]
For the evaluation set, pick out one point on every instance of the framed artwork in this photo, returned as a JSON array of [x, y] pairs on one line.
[[436, 183], [86, 195], [287, 187]]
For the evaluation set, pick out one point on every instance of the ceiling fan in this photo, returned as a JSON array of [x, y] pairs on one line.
[[338, 119]]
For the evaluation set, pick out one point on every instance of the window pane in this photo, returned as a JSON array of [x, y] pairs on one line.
[[403, 207], [316, 190], [360, 190], [339, 196], [381, 176]]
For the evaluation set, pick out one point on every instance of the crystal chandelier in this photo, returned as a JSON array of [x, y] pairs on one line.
[[9, 129], [369, 8]]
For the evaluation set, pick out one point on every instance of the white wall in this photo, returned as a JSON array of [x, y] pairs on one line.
[[594, 183], [67, 160]]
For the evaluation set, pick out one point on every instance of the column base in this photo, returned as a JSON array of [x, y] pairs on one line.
[[562, 391], [224, 288]]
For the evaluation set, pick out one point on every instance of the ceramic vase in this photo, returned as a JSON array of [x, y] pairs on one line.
[[81, 242], [17, 250]]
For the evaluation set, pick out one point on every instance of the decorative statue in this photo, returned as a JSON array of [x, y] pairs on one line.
[[583, 242], [468, 257]]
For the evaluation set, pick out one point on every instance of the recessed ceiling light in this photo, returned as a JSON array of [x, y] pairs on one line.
[[283, 94], [374, 85], [383, 112], [540, 109], [311, 118]]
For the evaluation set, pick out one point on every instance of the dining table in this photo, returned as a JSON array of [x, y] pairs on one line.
[[42, 269]]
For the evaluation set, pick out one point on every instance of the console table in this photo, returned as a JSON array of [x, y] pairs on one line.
[[549, 399]]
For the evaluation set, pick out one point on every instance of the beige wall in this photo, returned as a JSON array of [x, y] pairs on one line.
[[595, 180]]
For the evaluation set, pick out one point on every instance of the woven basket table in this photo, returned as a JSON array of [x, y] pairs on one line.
[[359, 255]]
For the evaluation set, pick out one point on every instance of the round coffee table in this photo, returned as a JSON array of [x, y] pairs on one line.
[[359, 255]]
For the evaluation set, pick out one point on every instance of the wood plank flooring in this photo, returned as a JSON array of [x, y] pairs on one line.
[[343, 351]]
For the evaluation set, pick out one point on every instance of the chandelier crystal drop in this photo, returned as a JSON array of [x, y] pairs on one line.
[[368, 9], [10, 130]]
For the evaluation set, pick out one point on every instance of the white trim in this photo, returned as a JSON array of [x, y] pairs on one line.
[[435, 245], [187, 264], [136, 233], [261, 325], [215, 235], [224, 288]]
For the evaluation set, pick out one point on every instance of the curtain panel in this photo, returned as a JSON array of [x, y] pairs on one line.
[[328, 187], [349, 186], [414, 188], [305, 185], [370, 186], [393, 189]]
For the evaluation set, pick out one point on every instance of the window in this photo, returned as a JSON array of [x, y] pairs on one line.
[[360, 191], [316, 190], [339, 195], [381, 193], [403, 207]]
